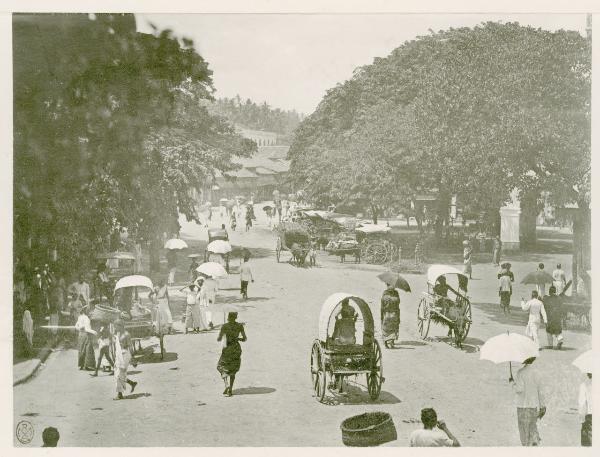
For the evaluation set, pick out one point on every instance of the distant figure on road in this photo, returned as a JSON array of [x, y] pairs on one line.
[[233, 221], [248, 218], [531, 404], [50, 437], [467, 258], [434, 433], [193, 316], [541, 288], [505, 292], [193, 274], [555, 314], [559, 278], [231, 355], [245, 277], [172, 264], [496, 251], [390, 316], [585, 410], [537, 314]]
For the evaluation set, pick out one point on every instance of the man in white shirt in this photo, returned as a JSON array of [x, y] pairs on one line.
[[559, 279], [85, 345], [245, 277], [81, 289], [585, 410], [537, 314], [434, 433], [531, 404]]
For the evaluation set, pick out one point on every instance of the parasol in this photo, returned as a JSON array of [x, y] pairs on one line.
[[194, 256], [537, 277], [212, 269], [585, 362], [219, 247], [175, 243], [267, 207], [394, 280], [509, 347], [134, 281]]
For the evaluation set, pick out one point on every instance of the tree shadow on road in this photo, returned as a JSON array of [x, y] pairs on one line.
[[136, 396], [236, 299], [469, 345], [357, 394], [494, 312], [253, 391], [154, 357]]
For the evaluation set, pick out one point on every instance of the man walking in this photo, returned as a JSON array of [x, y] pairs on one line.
[[434, 433], [81, 289], [555, 314], [559, 279], [537, 314], [531, 404], [245, 277]]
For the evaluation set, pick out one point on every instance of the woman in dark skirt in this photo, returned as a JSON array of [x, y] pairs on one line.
[[390, 316], [231, 356]]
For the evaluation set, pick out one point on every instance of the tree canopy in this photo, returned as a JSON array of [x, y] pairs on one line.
[[109, 131], [473, 112]]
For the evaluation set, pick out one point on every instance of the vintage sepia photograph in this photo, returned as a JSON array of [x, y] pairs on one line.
[[293, 230]]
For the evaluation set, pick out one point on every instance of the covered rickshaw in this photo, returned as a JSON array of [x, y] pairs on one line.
[[453, 311], [346, 346]]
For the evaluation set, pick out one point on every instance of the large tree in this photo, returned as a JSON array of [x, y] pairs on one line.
[[100, 140], [474, 112]]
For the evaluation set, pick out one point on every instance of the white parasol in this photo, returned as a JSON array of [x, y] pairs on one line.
[[175, 243], [509, 347], [212, 269], [134, 281], [585, 362], [219, 247]]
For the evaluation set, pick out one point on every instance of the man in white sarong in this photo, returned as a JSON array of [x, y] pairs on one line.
[[537, 314], [122, 359]]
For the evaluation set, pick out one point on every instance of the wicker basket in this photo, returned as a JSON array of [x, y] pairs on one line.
[[368, 429]]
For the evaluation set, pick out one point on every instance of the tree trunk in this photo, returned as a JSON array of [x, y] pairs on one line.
[[374, 214], [529, 212], [581, 248], [155, 255]]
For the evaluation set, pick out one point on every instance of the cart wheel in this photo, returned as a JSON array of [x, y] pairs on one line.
[[423, 318], [317, 371], [375, 378], [468, 319]]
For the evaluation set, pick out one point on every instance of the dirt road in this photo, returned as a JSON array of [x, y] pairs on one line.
[[178, 402]]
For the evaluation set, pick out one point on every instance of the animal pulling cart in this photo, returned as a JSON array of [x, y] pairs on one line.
[[295, 239], [346, 346], [455, 313]]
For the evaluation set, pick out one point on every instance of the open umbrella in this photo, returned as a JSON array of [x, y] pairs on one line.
[[175, 243], [509, 347], [219, 247], [194, 256], [585, 362], [537, 277], [134, 281], [267, 207], [212, 269], [395, 280]]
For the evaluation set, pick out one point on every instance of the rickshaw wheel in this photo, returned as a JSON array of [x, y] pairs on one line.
[[423, 318], [317, 371], [468, 318], [375, 378]]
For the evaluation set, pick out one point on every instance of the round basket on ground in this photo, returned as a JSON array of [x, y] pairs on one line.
[[368, 429]]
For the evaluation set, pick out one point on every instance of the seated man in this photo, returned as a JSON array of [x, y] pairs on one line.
[[344, 331], [441, 289]]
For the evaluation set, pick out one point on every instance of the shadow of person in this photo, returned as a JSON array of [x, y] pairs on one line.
[[356, 394], [253, 391], [136, 396], [155, 357]]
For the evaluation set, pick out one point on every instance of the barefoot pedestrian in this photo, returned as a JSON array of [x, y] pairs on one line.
[[390, 316], [122, 359], [229, 363], [537, 314], [85, 343], [245, 277], [531, 404], [104, 338]]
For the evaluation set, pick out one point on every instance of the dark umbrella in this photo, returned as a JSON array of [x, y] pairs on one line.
[[395, 280], [537, 277], [267, 207]]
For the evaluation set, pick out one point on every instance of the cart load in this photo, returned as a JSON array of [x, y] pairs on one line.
[[445, 303], [346, 346]]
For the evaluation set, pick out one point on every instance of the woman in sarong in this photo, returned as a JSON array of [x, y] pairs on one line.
[[390, 316], [231, 356], [193, 315], [85, 344], [160, 297], [467, 259]]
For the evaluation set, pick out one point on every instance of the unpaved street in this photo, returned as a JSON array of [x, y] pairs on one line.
[[178, 401]]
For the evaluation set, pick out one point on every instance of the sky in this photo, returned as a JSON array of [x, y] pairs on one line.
[[291, 60]]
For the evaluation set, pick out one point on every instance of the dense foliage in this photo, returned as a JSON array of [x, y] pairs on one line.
[[473, 112], [258, 116], [103, 132]]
